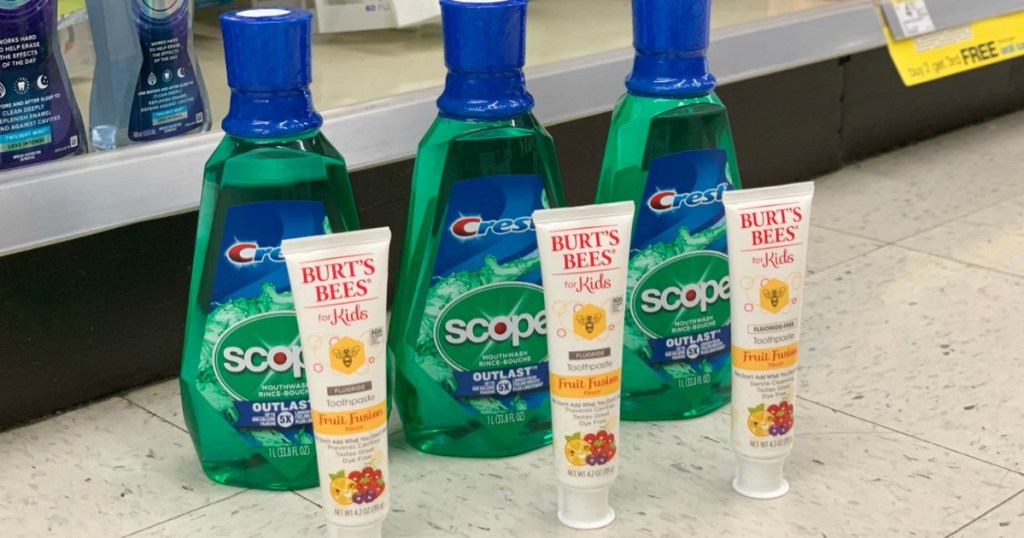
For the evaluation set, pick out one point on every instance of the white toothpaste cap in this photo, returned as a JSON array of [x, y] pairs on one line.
[[584, 509], [369, 531], [760, 479]]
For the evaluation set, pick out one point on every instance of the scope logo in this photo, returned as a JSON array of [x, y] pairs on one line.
[[668, 200], [470, 227], [685, 294], [501, 320], [250, 253], [260, 358]]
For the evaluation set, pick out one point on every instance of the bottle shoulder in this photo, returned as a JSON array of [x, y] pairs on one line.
[[445, 129], [247, 163], [633, 105], [305, 146]]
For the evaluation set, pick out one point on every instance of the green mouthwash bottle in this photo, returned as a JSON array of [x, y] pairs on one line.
[[274, 177], [468, 327], [670, 151]]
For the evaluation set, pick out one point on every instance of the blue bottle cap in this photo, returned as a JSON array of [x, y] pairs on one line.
[[484, 50], [269, 64], [671, 41]]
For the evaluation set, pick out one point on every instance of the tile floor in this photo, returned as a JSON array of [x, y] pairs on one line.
[[911, 423]]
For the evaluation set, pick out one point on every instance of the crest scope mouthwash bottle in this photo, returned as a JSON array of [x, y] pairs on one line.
[[670, 151], [40, 120], [274, 177], [469, 329], [147, 84]]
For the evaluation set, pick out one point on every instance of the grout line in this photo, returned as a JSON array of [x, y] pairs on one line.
[[962, 262], [926, 230], [944, 148], [955, 219], [175, 426], [894, 430], [133, 533], [851, 234], [987, 512], [911, 249], [310, 501], [846, 261]]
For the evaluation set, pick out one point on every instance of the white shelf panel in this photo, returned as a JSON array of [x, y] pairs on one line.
[[71, 198]]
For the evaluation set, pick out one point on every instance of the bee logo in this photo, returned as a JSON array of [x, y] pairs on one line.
[[347, 355], [774, 295], [589, 322]]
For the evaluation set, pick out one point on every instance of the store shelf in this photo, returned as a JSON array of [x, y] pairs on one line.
[[358, 67], [572, 73]]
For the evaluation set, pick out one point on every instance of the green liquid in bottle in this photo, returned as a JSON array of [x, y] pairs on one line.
[[251, 172], [670, 151], [273, 177], [434, 419], [643, 130], [468, 328]]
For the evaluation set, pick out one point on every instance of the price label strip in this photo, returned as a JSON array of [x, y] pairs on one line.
[[938, 54], [913, 17]]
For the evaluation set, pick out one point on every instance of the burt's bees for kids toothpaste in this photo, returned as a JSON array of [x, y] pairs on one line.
[[339, 284], [768, 231], [584, 254]]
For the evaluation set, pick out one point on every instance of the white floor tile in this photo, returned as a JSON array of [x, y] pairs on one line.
[[992, 237], [253, 514], [1002, 137], [900, 194], [920, 344], [105, 470], [829, 248], [848, 477], [163, 399], [1007, 521]]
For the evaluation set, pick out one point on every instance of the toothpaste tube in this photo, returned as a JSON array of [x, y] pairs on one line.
[[584, 255], [768, 231], [339, 284]]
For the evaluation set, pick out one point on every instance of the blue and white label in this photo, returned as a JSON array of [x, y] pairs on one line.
[[490, 216], [168, 100], [683, 191], [679, 281], [250, 251], [691, 347], [502, 382], [277, 415], [27, 138], [256, 353], [486, 325], [38, 117]]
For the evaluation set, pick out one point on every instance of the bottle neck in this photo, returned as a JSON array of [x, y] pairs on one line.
[[485, 96], [278, 114], [679, 75]]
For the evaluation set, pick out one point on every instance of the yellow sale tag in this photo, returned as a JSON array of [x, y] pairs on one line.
[[950, 51], [69, 6]]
